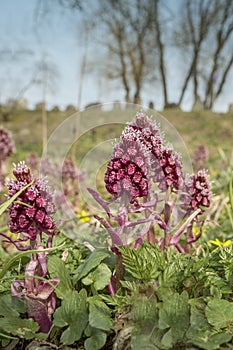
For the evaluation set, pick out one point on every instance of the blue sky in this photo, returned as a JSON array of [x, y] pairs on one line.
[[27, 36]]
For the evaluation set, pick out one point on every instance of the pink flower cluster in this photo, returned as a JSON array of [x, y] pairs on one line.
[[128, 170], [144, 166], [69, 170], [141, 156], [32, 212], [6, 144], [196, 193]]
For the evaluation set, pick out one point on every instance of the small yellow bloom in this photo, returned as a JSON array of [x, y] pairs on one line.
[[220, 244], [83, 216], [196, 229]]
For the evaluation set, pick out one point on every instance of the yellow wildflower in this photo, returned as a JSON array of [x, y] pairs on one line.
[[220, 244], [83, 216]]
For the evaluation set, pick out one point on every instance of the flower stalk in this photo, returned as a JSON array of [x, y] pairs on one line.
[[147, 181], [31, 215]]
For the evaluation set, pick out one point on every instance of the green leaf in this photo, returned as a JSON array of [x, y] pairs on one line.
[[99, 314], [57, 268], [200, 332], [167, 340], [219, 313], [11, 306], [145, 312], [100, 277], [72, 314], [10, 321], [198, 319], [144, 263], [92, 262], [97, 339], [208, 339], [142, 341], [23, 328], [174, 314], [6, 204]]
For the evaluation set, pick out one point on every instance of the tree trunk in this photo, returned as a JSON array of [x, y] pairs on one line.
[[161, 56], [188, 76], [223, 80]]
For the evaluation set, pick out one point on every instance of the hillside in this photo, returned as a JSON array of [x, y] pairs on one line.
[[215, 130]]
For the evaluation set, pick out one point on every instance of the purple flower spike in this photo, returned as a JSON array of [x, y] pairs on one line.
[[169, 170], [196, 192], [200, 157], [6, 144], [69, 170], [128, 171], [31, 213]]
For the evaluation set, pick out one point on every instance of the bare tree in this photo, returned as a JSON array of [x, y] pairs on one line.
[[222, 56], [195, 24], [128, 43], [205, 31], [160, 42]]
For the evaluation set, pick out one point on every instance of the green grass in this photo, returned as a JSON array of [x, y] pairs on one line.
[[215, 130]]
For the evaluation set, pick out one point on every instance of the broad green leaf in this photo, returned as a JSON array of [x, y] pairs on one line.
[[72, 314], [92, 262], [11, 306], [10, 321], [219, 313], [24, 328], [207, 339], [198, 319], [6, 204], [97, 339], [100, 277], [142, 341], [99, 314], [145, 312], [167, 340], [174, 314], [57, 268], [200, 332]]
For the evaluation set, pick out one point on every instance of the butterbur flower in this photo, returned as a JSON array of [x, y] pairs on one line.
[[31, 213], [196, 192], [169, 171], [33, 161], [70, 178], [129, 168], [48, 167], [200, 157], [147, 130], [2, 182], [69, 171], [166, 165], [144, 166], [149, 134], [6, 144]]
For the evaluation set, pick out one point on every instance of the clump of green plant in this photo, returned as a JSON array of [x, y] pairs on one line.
[[176, 301], [41, 298], [145, 176], [154, 287]]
